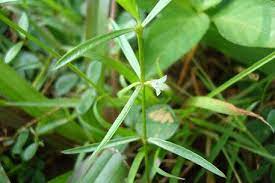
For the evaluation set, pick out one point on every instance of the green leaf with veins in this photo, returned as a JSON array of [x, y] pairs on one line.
[[247, 23], [177, 29]]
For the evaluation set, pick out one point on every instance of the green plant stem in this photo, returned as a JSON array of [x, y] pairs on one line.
[[139, 32], [40, 78]]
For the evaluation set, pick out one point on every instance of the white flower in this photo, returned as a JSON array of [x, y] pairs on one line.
[[159, 84]]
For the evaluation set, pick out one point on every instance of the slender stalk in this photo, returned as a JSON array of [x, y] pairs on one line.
[[139, 32]]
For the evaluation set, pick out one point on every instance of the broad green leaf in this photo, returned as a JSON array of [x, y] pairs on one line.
[[30, 151], [23, 22], [247, 23], [271, 118], [130, 6], [174, 33], [82, 48], [13, 51], [185, 153], [86, 101], [202, 5], [94, 71], [3, 176], [135, 166], [65, 83], [155, 11], [161, 122], [92, 147], [222, 107], [128, 51], [20, 142], [116, 123], [244, 55]]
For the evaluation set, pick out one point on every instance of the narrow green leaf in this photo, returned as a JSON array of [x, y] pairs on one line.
[[12, 52], [165, 174], [92, 147], [243, 74], [127, 50], [116, 123], [82, 48], [20, 142], [247, 23], [112, 171], [51, 125], [57, 102], [185, 153], [135, 166], [271, 118], [86, 101], [94, 71], [23, 22], [30, 151], [155, 11], [222, 107], [130, 6], [160, 171], [3, 176]]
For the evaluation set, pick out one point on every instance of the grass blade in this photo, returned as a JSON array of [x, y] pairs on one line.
[[135, 165], [187, 154], [243, 74], [160, 171], [82, 48], [92, 147], [115, 125], [165, 174], [12, 52], [57, 102], [3, 176], [223, 107], [155, 11], [127, 50]]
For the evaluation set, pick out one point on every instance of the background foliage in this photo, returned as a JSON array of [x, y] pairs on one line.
[[77, 91]]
